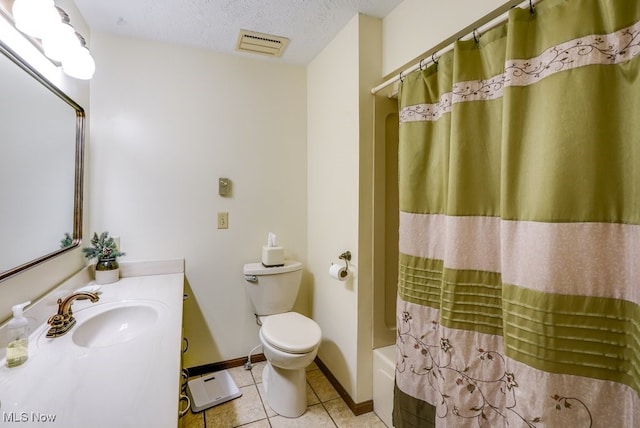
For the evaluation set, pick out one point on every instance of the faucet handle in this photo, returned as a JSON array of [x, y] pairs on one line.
[[56, 320]]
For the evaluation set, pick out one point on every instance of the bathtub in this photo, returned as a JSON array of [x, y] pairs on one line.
[[384, 369]]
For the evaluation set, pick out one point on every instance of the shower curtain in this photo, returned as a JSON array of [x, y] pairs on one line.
[[519, 283]]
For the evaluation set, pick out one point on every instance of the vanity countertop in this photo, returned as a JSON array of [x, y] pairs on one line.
[[133, 383]]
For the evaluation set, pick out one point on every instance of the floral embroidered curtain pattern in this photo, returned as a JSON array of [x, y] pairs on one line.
[[519, 285]]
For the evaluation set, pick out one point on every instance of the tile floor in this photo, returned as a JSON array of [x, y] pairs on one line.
[[325, 407]]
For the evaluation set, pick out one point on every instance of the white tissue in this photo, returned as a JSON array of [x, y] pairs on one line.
[[272, 253], [338, 271]]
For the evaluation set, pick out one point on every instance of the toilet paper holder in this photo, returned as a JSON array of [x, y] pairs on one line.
[[346, 256]]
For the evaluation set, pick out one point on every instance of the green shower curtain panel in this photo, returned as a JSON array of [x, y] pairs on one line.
[[519, 285]]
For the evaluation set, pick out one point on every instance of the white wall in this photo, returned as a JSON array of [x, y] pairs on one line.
[[332, 139], [339, 116], [416, 26], [37, 281], [168, 121]]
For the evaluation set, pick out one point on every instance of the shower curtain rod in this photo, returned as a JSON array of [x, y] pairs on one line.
[[487, 22]]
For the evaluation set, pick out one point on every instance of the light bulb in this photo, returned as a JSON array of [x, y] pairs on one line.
[[60, 42], [35, 17], [80, 64]]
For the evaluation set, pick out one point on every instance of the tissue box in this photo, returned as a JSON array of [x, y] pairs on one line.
[[272, 256]]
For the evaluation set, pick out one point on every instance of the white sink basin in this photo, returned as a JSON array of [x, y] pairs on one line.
[[112, 324]]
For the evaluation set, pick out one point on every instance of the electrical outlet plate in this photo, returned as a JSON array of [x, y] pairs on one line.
[[223, 220]]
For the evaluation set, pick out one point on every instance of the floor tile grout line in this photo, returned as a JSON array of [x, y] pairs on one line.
[[264, 405], [329, 414], [321, 402]]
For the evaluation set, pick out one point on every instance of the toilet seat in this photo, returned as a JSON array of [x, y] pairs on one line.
[[291, 332]]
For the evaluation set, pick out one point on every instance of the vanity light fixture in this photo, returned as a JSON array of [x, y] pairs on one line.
[[43, 20]]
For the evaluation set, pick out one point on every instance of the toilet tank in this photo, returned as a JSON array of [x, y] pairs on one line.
[[272, 290]]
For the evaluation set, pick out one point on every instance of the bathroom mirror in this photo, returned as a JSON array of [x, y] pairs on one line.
[[41, 157]]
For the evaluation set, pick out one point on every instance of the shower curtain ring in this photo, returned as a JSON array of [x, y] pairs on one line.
[[401, 78], [420, 64], [476, 35], [531, 8], [434, 59]]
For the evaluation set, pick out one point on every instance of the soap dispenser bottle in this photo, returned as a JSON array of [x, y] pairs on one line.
[[18, 335]]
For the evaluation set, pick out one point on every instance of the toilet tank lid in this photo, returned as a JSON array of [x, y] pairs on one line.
[[260, 269]]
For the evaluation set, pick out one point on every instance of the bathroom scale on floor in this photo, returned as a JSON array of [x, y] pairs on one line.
[[211, 390]]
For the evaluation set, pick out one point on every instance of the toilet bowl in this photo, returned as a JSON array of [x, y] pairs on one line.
[[290, 343], [289, 340]]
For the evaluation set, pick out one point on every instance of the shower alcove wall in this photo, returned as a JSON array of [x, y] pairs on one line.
[[386, 215], [385, 254]]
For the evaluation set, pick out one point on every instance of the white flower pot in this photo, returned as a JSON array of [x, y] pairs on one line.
[[107, 271], [107, 276]]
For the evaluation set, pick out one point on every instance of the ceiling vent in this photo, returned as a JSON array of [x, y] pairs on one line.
[[260, 43]]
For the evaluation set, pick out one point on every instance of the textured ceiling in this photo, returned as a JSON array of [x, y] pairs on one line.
[[214, 24]]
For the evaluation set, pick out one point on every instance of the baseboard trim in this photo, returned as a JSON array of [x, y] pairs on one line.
[[356, 408], [223, 365]]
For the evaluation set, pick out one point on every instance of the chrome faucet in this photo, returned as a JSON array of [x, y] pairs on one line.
[[62, 322]]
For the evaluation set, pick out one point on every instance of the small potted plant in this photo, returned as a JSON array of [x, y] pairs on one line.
[[104, 249], [67, 241]]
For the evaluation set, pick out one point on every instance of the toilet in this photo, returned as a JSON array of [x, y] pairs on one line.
[[289, 340]]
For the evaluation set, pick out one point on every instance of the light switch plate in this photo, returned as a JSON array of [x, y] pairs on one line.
[[224, 186]]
